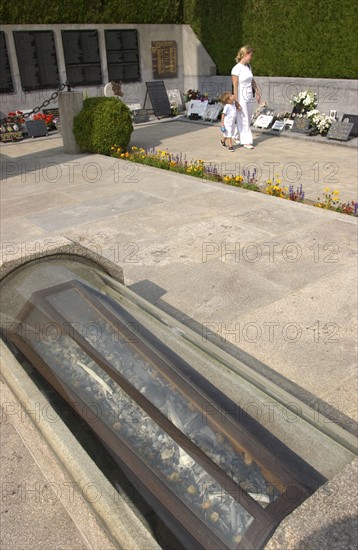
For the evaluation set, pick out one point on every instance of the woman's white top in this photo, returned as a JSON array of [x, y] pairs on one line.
[[243, 72]]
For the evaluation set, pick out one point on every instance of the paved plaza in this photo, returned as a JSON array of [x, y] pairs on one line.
[[272, 282]]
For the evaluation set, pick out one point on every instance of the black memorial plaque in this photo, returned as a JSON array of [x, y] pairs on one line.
[[354, 120], [140, 115], [83, 64], [301, 125], [36, 57], [164, 59], [159, 98], [340, 130], [122, 55], [36, 128], [6, 85]]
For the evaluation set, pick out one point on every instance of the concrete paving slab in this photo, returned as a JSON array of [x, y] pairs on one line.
[[167, 221], [24, 491], [327, 519], [326, 165], [19, 231], [33, 203], [92, 210]]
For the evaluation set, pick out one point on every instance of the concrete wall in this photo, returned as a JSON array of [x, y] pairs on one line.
[[338, 95], [192, 59], [195, 67]]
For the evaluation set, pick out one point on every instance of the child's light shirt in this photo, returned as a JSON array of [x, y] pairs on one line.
[[230, 112]]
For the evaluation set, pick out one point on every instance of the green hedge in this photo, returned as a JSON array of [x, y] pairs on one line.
[[298, 38], [90, 11]]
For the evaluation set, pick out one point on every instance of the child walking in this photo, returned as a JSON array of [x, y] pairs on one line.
[[228, 119]]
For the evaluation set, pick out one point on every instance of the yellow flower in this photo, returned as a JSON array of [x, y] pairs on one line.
[[239, 178], [269, 182], [122, 155], [278, 181], [285, 188], [143, 156], [326, 189], [126, 155], [134, 148], [335, 192]]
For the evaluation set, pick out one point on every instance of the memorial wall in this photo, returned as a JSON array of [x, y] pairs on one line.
[[37, 59]]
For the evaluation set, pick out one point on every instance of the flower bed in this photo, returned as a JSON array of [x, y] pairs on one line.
[[247, 180]]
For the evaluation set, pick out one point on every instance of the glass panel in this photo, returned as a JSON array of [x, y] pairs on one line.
[[205, 498], [193, 419]]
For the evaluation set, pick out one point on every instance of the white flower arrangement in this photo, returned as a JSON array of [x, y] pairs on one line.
[[321, 121], [306, 101]]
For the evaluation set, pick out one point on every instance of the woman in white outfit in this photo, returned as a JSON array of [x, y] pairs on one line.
[[245, 91]]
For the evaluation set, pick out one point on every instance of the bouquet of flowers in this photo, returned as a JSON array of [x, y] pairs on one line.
[[304, 101], [16, 116], [193, 94], [321, 121]]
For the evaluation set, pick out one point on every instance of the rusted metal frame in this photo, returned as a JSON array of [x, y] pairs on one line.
[[263, 458], [224, 480], [158, 489], [250, 444], [271, 511]]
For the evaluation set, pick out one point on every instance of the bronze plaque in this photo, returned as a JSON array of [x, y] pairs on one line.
[[164, 59], [340, 130]]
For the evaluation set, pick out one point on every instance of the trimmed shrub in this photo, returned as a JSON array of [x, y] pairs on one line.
[[102, 123], [83, 124]]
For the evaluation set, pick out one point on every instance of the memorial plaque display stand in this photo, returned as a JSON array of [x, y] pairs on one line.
[[340, 130], [197, 107], [36, 128], [263, 121], [140, 116], [278, 126], [353, 119], [301, 125], [215, 473], [159, 98]]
